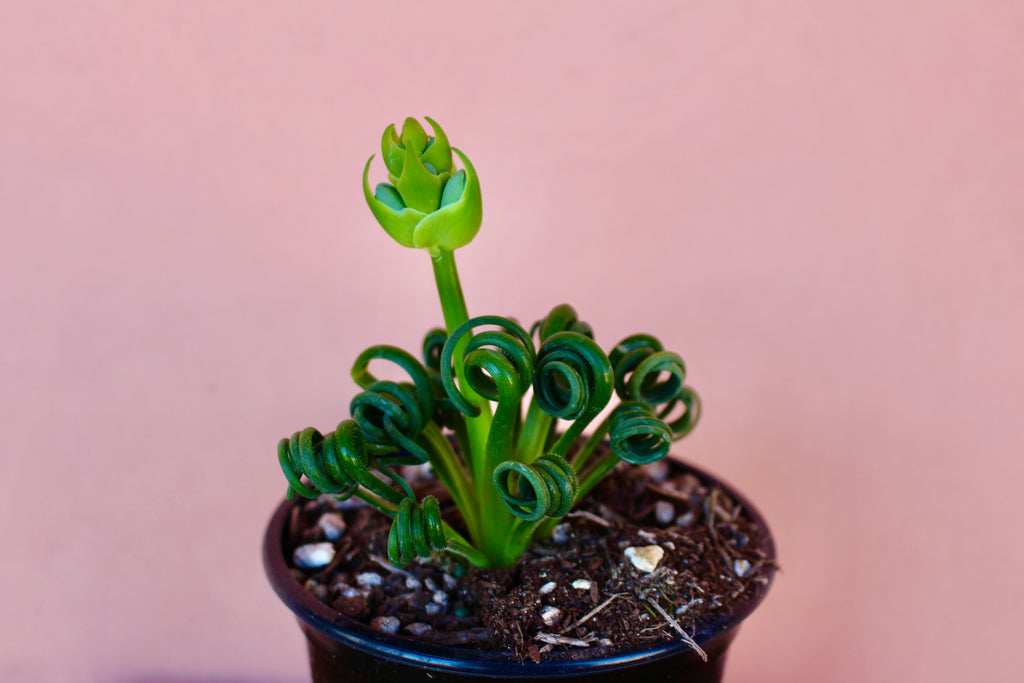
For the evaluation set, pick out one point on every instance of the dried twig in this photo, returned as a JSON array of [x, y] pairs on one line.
[[384, 564], [687, 638], [553, 639], [591, 517], [593, 612]]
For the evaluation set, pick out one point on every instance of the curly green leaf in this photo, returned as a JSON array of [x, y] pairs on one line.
[[497, 362], [545, 488], [637, 435], [417, 531], [337, 463]]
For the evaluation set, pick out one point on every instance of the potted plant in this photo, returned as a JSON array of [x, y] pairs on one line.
[[460, 523]]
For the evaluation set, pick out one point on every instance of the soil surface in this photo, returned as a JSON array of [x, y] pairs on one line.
[[577, 590]]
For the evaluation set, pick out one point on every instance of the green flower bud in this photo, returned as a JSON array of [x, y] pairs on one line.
[[428, 204]]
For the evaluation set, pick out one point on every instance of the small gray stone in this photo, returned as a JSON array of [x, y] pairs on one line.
[[385, 624], [419, 628], [686, 519], [412, 583], [740, 567], [547, 588], [440, 597], [333, 525], [560, 534], [433, 608], [657, 471], [550, 615], [414, 473], [313, 555], [430, 584], [449, 582], [369, 580], [664, 512]]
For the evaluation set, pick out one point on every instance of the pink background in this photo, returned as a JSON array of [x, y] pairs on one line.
[[819, 204]]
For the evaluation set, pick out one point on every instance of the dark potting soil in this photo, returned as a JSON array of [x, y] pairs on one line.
[[577, 590]]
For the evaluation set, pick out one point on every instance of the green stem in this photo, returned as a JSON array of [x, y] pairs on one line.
[[449, 470], [581, 457], [536, 429], [605, 464], [460, 547], [496, 517], [453, 306], [376, 502]]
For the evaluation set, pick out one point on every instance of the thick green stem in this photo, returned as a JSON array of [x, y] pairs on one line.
[[535, 432], [585, 451], [453, 306], [496, 517]]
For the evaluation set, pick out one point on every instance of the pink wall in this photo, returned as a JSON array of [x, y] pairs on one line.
[[821, 207]]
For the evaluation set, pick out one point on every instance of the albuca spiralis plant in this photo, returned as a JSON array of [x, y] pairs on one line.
[[514, 461]]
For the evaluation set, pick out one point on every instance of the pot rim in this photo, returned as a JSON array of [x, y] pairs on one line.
[[337, 626]]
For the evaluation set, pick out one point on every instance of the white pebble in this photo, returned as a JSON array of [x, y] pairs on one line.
[[740, 567], [432, 608], [449, 582], [385, 624], [657, 471], [547, 588], [645, 558], [418, 628], [440, 597], [333, 525], [686, 520], [369, 580], [417, 472], [313, 555], [560, 534], [412, 583], [664, 512], [347, 504], [581, 584], [550, 615], [430, 584]]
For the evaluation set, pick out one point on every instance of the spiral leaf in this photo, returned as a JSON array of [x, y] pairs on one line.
[[405, 360], [393, 414], [498, 363], [337, 463], [684, 424], [637, 435], [416, 532], [562, 318], [645, 372], [433, 345], [574, 377], [545, 488]]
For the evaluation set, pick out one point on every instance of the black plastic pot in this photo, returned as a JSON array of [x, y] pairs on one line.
[[343, 650]]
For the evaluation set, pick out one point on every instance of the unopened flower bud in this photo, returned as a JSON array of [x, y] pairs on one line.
[[428, 205]]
